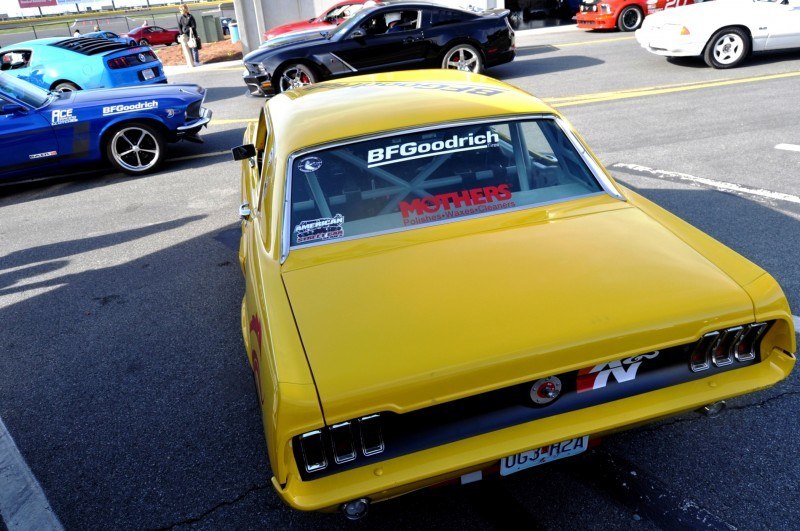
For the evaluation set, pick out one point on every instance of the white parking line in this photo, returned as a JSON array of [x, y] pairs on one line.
[[788, 147], [719, 185], [23, 504]]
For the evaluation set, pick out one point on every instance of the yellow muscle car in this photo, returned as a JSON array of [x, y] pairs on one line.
[[442, 279]]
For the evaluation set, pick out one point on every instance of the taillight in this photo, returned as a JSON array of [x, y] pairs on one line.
[[343, 442], [722, 352], [117, 62], [131, 60], [745, 348], [699, 360], [313, 451], [371, 434], [739, 343]]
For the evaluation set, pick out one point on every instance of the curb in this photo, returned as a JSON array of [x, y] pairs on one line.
[[183, 69]]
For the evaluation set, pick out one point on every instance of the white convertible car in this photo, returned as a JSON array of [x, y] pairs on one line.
[[723, 32]]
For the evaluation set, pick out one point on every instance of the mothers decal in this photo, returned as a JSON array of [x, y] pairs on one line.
[[456, 204]]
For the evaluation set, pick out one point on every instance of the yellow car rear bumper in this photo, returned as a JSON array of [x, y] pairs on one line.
[[380, 481]]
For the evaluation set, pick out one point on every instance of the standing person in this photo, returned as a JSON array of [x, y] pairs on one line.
[[188, 28], [77, 33]]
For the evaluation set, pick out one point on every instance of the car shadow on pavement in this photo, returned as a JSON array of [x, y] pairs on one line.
[[755, 60], [132, 399], [42, 255], [769, 58], [224, 93], [534, 66], [535, 50], [215, 140]]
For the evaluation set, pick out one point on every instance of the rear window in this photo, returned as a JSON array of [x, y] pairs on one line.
[[420, 178], [88, 46], [441, 17]]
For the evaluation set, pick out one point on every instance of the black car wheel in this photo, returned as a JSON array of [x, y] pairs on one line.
[[135, 148], [727, 48], [144, 42], [463, 57], [295, 76], [630, 19], [65, 86]]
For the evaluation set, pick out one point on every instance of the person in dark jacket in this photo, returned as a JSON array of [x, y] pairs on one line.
[[188, 28]]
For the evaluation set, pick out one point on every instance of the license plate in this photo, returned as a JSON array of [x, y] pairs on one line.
[[545, 454], [148, 74]]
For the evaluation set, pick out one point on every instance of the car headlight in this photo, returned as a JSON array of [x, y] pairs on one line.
[[605, 8], [193, 111], [256, 68]]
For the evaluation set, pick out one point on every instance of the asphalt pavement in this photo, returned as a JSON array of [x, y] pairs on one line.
[[124, 383]]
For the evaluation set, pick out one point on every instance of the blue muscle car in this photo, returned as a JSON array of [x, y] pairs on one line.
[[44, 133], [80, 63]]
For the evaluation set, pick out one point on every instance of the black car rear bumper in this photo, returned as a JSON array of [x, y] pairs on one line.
[[500, 58]]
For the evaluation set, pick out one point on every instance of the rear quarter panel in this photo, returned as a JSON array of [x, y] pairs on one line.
[[285, 388], [485, 33], [52, 64]]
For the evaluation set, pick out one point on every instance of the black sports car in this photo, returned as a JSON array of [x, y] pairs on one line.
[[386, 37]]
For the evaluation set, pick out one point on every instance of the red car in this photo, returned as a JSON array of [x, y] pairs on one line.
[[625, 15], [152, 35], [328, 19]]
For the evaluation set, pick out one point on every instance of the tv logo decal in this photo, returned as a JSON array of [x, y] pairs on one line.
[[62, 116], [624, 370]]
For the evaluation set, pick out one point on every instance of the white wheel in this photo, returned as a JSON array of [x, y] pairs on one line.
[[727, 48], [463, 57], [135, 148]]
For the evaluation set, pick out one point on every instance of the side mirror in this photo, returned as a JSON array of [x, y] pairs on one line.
[[244, 211], [243, 152], [358, 34], [13, 108]]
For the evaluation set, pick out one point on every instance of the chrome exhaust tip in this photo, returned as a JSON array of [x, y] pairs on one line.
[[714, 409], [356, 509]]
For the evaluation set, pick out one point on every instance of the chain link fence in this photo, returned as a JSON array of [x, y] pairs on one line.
[[116, 24]]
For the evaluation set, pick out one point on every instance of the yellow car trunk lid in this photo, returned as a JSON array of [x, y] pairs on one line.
[[415, 325]]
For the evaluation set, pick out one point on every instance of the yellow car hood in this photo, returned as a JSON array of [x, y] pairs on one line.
[[407, 326]]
